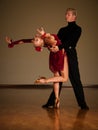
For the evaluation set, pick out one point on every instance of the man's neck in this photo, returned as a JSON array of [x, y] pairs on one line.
[[72, 22]]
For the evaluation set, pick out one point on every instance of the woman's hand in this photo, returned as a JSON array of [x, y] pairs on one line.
[[54, 49], [40, 31]]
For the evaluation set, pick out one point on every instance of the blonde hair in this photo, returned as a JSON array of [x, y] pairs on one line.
[[74, 11]]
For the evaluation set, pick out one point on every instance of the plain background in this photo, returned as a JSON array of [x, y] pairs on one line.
[[20, 18]]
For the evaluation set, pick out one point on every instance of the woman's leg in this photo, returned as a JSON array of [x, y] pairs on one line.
[[56, 91], [51, 100], [64, 74], [56, 86], [61, 78]]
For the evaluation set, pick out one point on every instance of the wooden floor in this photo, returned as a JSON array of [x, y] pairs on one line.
[[20, 109]]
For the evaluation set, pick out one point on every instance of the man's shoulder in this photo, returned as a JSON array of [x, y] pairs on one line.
[[78, 26], [62, 28]]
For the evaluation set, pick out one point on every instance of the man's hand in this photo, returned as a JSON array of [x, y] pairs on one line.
[[54, 49]]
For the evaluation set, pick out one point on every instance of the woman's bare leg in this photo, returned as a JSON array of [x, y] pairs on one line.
[[64, 74], [56, 86], [56, 91], [62, 78]]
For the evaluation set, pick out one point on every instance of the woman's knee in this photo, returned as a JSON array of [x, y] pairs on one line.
[[65, 78]]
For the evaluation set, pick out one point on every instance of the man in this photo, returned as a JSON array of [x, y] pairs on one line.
[[69, 36]]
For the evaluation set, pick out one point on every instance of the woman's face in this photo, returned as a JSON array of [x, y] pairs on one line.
[[37, 41]]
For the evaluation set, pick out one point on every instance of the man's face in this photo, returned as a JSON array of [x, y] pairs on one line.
[[70, 17]]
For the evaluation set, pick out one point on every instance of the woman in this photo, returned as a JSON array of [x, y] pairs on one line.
[[57, 61]]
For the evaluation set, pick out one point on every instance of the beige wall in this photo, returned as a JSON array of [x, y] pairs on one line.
[[20, 18]]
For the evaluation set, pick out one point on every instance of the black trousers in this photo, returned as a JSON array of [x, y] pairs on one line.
[[75, 80]]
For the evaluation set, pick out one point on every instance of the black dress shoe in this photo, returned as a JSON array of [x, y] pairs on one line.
[[47, 106], [85, 107]]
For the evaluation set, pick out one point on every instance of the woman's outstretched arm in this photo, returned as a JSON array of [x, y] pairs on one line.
[[11, 43]]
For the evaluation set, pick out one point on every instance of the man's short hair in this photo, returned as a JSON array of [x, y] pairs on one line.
[[72, 10]]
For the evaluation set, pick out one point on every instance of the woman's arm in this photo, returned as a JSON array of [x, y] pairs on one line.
[[12, 43]]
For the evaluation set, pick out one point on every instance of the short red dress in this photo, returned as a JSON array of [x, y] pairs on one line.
[[56, 60]]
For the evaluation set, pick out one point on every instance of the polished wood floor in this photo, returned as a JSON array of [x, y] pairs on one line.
[[20, 109]]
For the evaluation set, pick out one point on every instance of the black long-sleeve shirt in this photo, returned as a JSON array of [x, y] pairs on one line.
[[69, 35]]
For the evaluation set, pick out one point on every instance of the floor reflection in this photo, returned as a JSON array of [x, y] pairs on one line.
[[80, 119], [61, 123], [20, 109], [54, 115]]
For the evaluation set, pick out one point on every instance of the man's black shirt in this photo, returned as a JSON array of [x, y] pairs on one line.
[[69, 35]]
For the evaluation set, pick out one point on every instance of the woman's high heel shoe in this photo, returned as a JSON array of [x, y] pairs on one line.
[[57, 103]]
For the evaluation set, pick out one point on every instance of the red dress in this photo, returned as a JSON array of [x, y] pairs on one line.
[[56, 60]]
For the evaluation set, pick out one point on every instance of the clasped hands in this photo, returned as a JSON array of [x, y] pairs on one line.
[[54, 49]]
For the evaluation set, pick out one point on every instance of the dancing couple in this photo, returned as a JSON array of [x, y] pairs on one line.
[[63, 60]]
